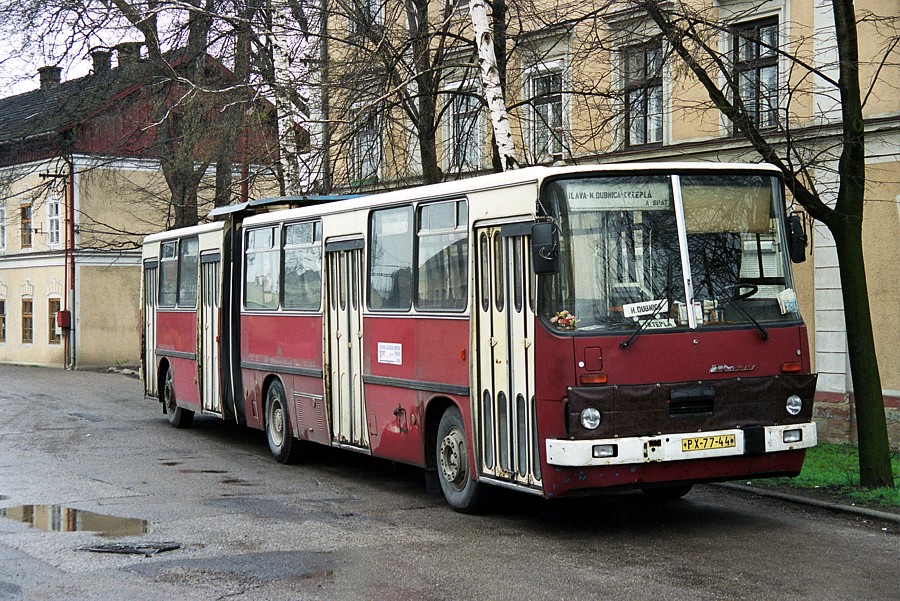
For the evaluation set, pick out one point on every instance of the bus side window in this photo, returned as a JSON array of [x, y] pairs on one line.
[[390, 259], [302, 266], [188, 260], [443, 253], [168, 274], [262, 273]]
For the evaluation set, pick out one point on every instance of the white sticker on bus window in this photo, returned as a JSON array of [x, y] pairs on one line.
[[614, 195], [646, 308], [390, 353]]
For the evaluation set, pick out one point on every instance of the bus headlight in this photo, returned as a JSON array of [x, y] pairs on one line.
[[590, 418], [794, 405]]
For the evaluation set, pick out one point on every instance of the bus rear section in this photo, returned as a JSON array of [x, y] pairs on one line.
[[181, 350], [669, 346]]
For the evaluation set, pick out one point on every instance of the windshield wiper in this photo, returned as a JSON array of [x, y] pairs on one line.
[[732, 300], [626, 343], [667, 299]]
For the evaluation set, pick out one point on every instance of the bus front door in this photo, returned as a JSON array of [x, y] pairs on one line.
[[507, 429], [209, 334], [344, 337]]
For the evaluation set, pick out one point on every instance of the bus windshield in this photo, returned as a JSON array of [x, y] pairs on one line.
[[663, 252]]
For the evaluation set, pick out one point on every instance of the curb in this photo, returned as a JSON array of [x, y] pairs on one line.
[[801, 500]]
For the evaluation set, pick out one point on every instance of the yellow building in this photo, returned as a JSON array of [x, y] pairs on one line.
[[80, 186], [586, 82]]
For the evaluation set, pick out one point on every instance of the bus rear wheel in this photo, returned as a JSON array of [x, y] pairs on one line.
[[179, 417], [461, 490], [285, 448]]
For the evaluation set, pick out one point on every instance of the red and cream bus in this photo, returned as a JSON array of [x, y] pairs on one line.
[[552, 329]]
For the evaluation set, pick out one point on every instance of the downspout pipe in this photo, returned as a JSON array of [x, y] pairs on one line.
[[69, 292]]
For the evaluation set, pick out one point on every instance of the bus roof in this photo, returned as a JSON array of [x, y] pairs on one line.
[[185, 231], [258, 204], [526, 175]]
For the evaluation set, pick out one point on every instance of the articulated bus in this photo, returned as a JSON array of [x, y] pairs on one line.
[[554, 330]]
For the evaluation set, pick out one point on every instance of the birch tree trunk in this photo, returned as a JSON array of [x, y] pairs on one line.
[[316, 52], [490, 79], [287, 136]]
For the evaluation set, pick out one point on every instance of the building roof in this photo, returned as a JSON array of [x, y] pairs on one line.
[[55, 109]]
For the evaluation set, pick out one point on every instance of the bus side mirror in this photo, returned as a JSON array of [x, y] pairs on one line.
[[544, 248], [796, 238]]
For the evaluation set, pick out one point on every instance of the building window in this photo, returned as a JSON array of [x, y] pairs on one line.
[[464, 134], [2, 228], [547, 125], [365, 14], [53, 237], [25, 224], [644, 94], [2, 320], [756, 70], [27, 320], [53, 309], [365, 153]]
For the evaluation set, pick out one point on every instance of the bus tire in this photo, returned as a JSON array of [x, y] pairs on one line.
[[667, 493], [462, 491], [179, 417], [284, 447]]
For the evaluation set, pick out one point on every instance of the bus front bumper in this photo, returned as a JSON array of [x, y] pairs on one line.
[[684, 445]]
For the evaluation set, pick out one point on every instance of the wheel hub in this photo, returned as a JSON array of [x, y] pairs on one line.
[[453, 458], [276, 422]]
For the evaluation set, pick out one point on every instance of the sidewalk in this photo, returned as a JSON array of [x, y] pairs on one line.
[[810, 497]]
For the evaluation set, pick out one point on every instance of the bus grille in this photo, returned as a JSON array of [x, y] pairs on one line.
[[692, 401]]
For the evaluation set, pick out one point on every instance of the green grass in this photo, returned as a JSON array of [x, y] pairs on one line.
[[834, 469]]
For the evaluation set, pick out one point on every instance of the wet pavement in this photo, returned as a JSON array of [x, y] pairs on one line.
[[84, 458]]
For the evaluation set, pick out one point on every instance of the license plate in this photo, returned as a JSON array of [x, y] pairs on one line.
[[703, 443]]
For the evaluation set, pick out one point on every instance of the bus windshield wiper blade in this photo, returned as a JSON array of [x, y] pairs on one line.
[[762, 331], [738, 296], [626, 343]]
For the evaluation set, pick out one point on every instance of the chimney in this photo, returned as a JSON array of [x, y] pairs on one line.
[[101, 61], [51, 77], [128, 53]]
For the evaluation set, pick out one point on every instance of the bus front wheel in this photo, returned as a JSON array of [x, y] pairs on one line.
[[179, 417], [285, 449], [462, 492]]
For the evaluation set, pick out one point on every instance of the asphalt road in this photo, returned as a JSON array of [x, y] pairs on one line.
[[345, 526]]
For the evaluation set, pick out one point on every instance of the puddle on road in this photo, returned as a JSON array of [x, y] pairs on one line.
[[56, 518]]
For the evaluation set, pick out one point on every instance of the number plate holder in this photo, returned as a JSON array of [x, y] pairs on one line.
[[705, 443]]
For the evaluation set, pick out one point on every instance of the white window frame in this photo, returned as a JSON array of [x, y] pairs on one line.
[[358, 156], [477, 141], [736, 12], [630, 28], [54, 221], [533, 121], [375, 12], [624, 53]]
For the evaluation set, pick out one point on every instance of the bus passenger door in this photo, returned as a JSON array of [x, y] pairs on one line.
[[209, 333], [344, 343], [504, 342], [149, 351]]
